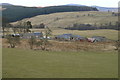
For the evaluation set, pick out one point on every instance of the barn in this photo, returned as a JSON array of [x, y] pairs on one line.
[[70, 37], [35, 34], [79, 38], [64, 37], [99, 38]]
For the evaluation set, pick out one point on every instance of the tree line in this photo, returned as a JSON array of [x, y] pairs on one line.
[[77, 26], [15, 13]]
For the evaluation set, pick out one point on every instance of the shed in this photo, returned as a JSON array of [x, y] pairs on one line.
[[64, 37], [78, 37], [99, 38], [70, 37], [35, 34]]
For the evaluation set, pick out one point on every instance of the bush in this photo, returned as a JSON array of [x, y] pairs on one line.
[[32, 42], [13, 41]]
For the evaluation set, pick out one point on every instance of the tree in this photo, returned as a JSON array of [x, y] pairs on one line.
[[42, 25], [22, 26], [101, 25], [48, 32], [4, 24], [7, 28], [28, 26], [95, 24], [88, 14], [110, 23], [13, 41], [84, 15], [117, 44], [32, 42], [14, 30], [75, 25], [43, 43]]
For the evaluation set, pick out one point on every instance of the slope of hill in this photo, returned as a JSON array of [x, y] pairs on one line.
[[15, 13], [67, 19], [106, 8], [74, 5], [112, 9], [1, 4]]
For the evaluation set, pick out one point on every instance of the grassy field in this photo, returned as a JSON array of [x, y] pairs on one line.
[[42, 64], [110, 34], [67, 19], [56, 21]]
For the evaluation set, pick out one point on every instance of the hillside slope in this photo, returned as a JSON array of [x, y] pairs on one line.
[[100, 8], [67, 19], [15, 13]]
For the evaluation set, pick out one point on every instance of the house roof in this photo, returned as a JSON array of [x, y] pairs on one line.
[[38, 33], [98, 37], [33, 34], [69, 36]]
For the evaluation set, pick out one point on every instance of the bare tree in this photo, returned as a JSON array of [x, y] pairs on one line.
[[22, 27], [32, 42], [48, 32], [117, 44], [8, 26], [43, 43], [13, 41]]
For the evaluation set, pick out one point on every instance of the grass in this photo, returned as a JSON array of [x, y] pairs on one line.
[[42, 64], [67, 19], [110, 34]]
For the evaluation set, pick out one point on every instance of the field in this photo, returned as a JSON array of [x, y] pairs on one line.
[[110, 34], [57, 21], [67, 19], [19, 63], [65, 59]]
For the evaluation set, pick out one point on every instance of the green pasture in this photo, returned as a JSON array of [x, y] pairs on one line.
[[49, 64]]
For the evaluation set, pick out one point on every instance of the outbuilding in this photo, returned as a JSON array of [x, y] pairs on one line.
[[99, 38], [38, 35]]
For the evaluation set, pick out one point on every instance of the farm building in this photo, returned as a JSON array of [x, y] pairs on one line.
[[70, 37], [64, 37], [97, 39], [35, 34], [79, 38]]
